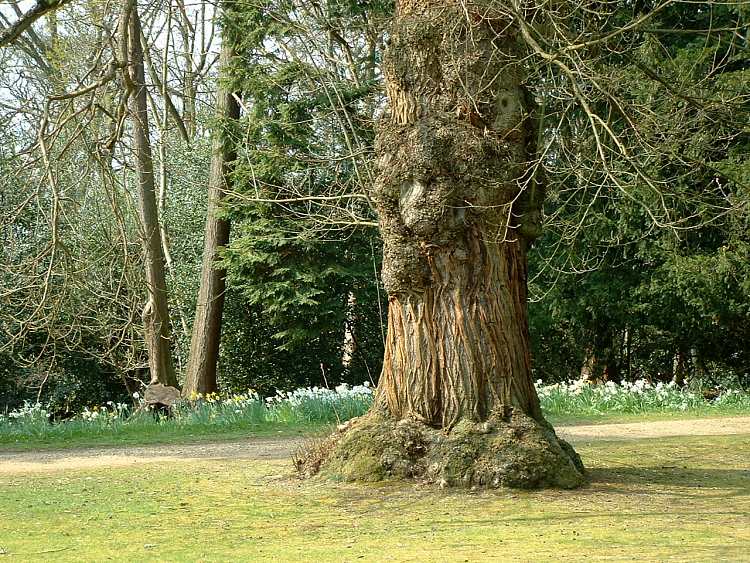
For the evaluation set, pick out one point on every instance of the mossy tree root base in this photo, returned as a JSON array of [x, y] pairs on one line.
[[505, 451]]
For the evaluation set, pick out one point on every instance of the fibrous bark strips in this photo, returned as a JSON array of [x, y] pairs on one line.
[[451, 159], [452, 194]]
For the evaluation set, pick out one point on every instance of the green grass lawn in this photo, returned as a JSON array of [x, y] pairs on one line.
[[683, 499], [138, 435]]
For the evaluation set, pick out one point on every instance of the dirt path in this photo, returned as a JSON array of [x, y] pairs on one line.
[[269, 449], [59, 460], [656, 429]]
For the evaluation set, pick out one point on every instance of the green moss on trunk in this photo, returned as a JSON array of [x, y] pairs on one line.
[[505, 451]]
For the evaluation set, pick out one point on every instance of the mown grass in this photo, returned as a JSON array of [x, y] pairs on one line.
[[682, 499], [576, 419], [152, 434], [145, 430]]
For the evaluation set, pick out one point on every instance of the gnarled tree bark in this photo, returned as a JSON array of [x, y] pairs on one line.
[[457, 206]]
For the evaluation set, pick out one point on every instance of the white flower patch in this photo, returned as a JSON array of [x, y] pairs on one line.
[[30, 412], [580, 396]]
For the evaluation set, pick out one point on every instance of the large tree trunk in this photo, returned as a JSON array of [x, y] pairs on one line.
[[453, 157], [457, 205], [156, 311], [459, 348], [204, 344]]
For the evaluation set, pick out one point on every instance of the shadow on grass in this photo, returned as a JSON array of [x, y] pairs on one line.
[[673, 476]]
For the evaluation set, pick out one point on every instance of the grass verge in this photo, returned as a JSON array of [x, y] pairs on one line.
[[233, 416], [576, 419], [155, 434], [147, 431]]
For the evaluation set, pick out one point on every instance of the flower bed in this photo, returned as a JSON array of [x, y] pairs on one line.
[[641, 396], [299, 407], [317, 405]]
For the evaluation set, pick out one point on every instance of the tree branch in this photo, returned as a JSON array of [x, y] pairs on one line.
[[42, 7]]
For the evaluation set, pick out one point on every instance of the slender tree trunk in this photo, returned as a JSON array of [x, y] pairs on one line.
[[204, 344], [156, 312], [188, 34], [163, 126], [601, 362], [679, 368], [188, 102], [349, 346], [628, 348], [588, 369], [452, 161]]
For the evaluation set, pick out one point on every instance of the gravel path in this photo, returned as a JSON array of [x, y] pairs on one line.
[[270, 449]]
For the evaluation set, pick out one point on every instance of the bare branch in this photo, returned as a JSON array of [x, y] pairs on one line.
[[42, 7]]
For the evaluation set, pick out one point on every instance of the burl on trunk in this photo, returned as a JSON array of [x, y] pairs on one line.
[[457, 206]]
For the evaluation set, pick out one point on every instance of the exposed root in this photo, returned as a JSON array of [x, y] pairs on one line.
[[310, 456], [505, 451]]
